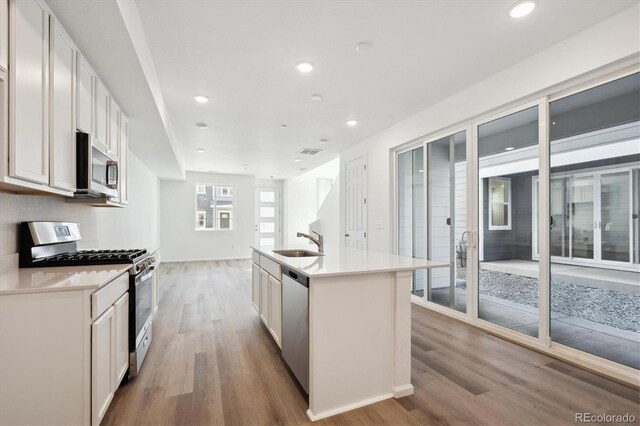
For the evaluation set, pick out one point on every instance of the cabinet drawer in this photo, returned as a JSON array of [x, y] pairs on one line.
[[255, 256], [273, 268], [102, 299]]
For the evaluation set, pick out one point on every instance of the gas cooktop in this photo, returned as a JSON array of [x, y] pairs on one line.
[[91, 257]]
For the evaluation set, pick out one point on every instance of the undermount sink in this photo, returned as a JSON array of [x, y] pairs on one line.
[[298, 253]]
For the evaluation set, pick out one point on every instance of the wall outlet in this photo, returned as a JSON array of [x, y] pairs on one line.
[[379, 224]]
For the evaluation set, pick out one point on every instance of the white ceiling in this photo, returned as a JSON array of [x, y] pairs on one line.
[[243, 54]]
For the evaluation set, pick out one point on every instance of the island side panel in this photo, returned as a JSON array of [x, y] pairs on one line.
[[351, 341], [402, 334]]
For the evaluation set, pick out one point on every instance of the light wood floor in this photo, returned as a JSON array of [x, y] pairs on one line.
[[212, 362]]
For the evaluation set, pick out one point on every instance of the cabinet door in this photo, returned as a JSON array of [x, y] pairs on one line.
[[114, 127], [102, 114], [264, 296], [28, 91], [84, 95], [255, 287], [102, 364], [123, 164], [61, 118], [121, 316], [275, 309], [4, 34]]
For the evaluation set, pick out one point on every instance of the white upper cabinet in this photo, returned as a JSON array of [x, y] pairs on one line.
[[4, 34], [114, 127], [103, 103], [28, 96], [62, 123], [84, 95], [123, 153]]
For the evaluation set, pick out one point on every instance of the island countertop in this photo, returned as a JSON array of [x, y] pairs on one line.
[[341, 260]]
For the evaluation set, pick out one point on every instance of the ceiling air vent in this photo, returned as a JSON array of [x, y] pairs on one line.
[[309, 151]]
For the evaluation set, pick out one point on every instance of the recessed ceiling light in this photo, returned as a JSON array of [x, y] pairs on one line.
[[304, 66], [363, 46], [509, 148], [201, 150], [352, 123], [202, 99], [296, 159], [522, 8], [420, 170], [316, 97], [202, 125], [323, 141]]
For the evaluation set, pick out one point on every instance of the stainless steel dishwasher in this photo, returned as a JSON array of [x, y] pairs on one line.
[[295, 324]]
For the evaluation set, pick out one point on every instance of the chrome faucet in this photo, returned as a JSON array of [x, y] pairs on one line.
[[317, 241]]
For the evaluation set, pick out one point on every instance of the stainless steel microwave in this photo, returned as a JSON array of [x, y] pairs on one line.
[[96, 168]]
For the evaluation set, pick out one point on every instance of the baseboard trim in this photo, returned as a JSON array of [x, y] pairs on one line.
[[404, 390], [324, 414], [205, 259]]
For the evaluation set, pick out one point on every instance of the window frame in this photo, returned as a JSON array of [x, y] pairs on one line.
[[508, 226], [214, 205]]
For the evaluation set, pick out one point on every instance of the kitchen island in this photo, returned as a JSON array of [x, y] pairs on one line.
[[359, 317]]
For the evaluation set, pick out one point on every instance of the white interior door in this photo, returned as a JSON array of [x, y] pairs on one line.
[[356, 223], [268, 229]]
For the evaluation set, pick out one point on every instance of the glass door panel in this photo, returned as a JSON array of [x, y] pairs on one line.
[[447, 220], [411, 211], [594, 301], [583, 222], [560, 217], [507, 165], [267, 227], [614, 226]]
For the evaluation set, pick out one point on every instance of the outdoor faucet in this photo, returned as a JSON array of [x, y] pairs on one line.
[[317, 241]]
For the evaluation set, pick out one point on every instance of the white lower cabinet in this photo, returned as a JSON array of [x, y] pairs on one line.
[[275, 309], [103, 344], [121, 315], [266, 295], [63, 353], [255, 287]]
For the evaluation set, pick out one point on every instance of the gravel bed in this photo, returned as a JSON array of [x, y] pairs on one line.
[[614, 308]]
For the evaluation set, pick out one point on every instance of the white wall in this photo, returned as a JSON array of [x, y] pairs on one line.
[[178, 238], [135, 226], [301, 205], [575, 59]]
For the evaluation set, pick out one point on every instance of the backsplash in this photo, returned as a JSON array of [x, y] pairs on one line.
[[135, 226]]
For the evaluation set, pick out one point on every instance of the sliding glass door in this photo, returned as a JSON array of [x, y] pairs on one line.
[[595, 282], [539, 221], [447, 220], [507, 163], [411, 211]]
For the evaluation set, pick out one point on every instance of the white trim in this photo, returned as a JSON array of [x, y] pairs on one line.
[[544, 265], [324, 414]]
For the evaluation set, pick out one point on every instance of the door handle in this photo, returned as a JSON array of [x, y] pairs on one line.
[[346, 235]]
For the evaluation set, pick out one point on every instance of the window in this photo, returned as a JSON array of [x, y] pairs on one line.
[[500, 204], [214, 207], [201, 220]]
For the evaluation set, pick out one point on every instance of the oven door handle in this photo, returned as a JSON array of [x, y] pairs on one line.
[[146, 276]]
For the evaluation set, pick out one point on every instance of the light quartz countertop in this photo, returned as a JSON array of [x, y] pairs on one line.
[[340, 260], [58, 278], [14, 280]]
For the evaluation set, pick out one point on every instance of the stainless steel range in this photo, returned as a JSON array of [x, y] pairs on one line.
[[50, 244]]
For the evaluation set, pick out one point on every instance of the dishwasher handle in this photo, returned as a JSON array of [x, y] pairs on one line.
[[295, 276]]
